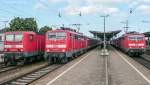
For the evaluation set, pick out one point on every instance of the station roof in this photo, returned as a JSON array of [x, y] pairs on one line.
[[147, 34], [108, 34]]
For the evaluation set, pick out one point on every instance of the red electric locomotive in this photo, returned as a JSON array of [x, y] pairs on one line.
[[62, 44], [22, 47], [132, 43]]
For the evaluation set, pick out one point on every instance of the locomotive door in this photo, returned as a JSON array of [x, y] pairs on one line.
[[71, 42]]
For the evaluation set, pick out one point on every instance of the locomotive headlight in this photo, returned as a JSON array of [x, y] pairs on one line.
[[63, 50], [47, 50], [5, 49], [21, 49]]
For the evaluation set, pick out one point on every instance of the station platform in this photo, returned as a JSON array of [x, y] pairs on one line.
[[89, 69]]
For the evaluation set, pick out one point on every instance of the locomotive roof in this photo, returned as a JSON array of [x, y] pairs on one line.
[[60, 30], [109, 34]]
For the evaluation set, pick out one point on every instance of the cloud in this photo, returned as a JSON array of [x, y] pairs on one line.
[[90, 1], [146, 1], [55, 1], [89, 6], [107, 1], [144, 8], [72, 10], [40, 5]]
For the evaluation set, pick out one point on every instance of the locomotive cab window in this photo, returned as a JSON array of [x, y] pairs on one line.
[[140, 38], [1, 39], [136, 38], [61, 35], [56, 35], [9, 37], [18, 37], [132, 38]]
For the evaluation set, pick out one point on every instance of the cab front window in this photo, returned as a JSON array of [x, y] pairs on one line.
[[9, 37], [56, 35], [18, 37], [1, 38]]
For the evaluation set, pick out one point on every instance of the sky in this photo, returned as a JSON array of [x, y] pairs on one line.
[[46, 12]]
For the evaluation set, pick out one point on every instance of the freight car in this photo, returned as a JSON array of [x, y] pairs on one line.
[[132, 43], [23, 47], [64, 44]]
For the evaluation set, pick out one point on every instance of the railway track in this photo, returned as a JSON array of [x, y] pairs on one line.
[[7, 68], [31, 76], [143, 61]]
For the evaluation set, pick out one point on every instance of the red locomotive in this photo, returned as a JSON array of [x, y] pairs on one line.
[[132, 43], [22, 47], [62, 44]]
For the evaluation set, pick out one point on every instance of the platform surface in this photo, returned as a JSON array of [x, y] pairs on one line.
[[91, 71]]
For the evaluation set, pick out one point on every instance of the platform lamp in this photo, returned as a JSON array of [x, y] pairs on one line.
[[104, 41]]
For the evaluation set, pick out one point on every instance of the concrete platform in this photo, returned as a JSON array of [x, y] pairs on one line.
[[121, 73], [90, 70]]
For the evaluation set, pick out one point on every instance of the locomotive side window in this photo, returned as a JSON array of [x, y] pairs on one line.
[[31, 37], [18, 37], [77, 37], [9, 37]]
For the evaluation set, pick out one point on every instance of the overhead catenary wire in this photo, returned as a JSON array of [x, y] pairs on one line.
[[20, 11]]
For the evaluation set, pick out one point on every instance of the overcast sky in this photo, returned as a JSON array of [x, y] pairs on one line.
[[46, 13]]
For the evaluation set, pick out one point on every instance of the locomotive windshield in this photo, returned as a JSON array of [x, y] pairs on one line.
[[136, 38], [1, 38], [18, 37], [56, 35], [14, 37], [9, 37]]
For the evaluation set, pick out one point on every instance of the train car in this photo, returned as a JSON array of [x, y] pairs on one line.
[[1, 42], [23, 47], [1, 46], [132, 43], [63, 44]]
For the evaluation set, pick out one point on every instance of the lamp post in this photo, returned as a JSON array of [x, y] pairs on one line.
[[104, 43], [5, 23], [127, 25]]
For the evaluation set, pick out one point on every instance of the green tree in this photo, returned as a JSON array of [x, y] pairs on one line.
[[23, 24], [44, 29]]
